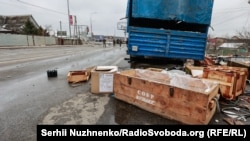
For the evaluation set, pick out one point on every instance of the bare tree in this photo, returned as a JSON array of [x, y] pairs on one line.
[[48, 28], [244, 37], [244, 33]]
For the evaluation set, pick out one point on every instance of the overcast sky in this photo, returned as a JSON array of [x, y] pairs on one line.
[[229, 16]]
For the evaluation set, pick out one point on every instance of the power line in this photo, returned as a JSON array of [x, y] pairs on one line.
[[11, 4], [230, 10], [247, 19], [230, 18], [26, 3]]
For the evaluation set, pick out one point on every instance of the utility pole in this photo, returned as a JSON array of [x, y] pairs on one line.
[[75, 30], [69, 19], [114, 31], [91, 29], [75, 27], [61, 28], [60, 39]]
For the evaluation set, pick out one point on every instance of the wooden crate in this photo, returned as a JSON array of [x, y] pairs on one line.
[[232, 79], [244, 64], [178, 98], [78, 76]]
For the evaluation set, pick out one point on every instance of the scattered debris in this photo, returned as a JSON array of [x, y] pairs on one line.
[[236, 113], [233, 121], [208, 61], [78, 76], [135, 86], [195, 71]]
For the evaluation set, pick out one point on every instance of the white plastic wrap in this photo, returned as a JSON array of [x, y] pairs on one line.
[[179, 80], [152, 75]]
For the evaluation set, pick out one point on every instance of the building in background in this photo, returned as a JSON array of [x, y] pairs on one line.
[[15, 23]]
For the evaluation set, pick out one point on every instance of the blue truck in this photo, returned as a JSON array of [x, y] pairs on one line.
[[163, 31]]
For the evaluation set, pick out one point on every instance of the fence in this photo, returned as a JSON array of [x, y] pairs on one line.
[[26, 40]]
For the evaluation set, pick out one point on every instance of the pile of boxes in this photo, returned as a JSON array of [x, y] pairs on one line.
[[190, 99], [232, 80]]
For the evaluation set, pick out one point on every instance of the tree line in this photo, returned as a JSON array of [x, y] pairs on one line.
[[31, 29]]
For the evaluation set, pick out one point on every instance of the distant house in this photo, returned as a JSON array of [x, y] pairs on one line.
[[2, 30], [232, 49], [213, 44], [15, 23], [231, 45]]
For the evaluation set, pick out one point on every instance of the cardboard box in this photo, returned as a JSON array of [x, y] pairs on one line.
[[177, 97], [102, 79]]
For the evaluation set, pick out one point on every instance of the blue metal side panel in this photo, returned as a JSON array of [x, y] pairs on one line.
[[190, 11], [187, 45], [166, 43]]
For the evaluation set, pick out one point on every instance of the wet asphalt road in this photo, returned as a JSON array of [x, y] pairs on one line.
[[29, 97]]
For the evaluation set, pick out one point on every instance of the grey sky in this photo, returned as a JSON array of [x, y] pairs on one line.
[[51, 12], [228, 17]]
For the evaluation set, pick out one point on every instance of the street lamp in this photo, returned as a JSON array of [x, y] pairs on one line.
[[91, 30]]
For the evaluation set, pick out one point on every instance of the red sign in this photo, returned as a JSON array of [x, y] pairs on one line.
[[70, 19]]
